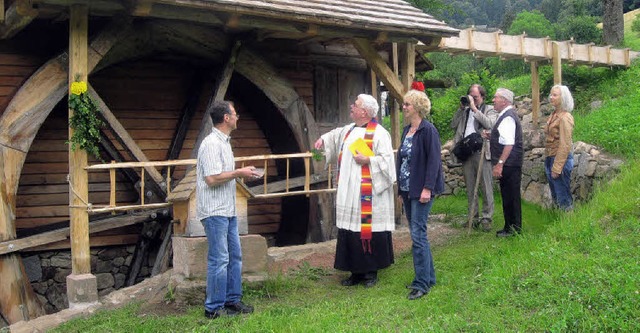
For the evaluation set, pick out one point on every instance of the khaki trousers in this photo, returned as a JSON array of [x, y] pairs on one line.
[[470, 171]]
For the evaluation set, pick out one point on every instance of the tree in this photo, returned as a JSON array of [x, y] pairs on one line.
[[612, 22], [582, 29], [533, 23]]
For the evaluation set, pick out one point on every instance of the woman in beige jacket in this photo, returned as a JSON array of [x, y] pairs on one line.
[[559, 147]]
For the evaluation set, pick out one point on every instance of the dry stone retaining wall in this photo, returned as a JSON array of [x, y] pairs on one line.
[[48, 271]]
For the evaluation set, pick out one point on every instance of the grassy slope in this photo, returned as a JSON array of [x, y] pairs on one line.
[[631, 39], [566, 273]]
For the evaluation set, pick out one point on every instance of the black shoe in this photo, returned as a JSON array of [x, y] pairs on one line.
[[351, 281], [368, 283], [213, 314], [415, 294], [238, 307], [504, 233]]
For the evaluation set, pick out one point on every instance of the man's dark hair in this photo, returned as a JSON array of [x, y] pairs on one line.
[[481, 90], [218, 109]]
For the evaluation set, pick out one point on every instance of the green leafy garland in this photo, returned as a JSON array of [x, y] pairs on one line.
[[84, 121]]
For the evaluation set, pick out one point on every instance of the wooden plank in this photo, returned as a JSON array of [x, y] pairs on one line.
[[95, 242], [63, 233], [95, 198]]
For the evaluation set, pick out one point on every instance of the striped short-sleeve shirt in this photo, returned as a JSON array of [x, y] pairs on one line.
[[214, 157]]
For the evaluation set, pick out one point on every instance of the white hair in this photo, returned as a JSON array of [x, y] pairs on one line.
[[506, 94], [370, 104], [565, 97]]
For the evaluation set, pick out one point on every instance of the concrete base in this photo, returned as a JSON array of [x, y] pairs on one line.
[[82, 290], [190, 257]]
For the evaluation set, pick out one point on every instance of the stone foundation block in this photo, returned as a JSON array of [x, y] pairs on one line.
[[82, 289], [190, 256]]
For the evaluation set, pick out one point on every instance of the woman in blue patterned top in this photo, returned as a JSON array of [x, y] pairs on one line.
[[420, 178]]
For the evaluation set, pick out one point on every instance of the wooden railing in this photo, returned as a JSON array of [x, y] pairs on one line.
[[112, 167]]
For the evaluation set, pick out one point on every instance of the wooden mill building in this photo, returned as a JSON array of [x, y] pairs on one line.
[[292, 67]]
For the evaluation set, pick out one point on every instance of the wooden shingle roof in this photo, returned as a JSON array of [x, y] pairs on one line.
[[382, 15], [381, 20]]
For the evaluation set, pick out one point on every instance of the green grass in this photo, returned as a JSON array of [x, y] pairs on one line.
[[566, 273], [631, 39]]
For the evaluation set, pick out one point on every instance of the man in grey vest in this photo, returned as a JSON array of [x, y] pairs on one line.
[[474, 116], [506, 156]]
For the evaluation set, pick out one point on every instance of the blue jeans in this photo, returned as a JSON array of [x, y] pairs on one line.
[[418, 215], [224, 262], [561, 186]]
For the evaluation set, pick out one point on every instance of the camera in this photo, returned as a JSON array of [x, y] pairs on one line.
[[464, 100]]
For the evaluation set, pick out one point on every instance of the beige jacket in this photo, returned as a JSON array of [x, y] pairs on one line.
[[559, 142]]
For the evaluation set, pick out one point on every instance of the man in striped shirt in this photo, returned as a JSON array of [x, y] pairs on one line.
[[216, 209]]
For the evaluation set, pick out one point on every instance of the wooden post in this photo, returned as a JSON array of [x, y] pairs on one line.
[[393, 105], [557, 63], [374, 90], [81, 285], [535, 93], [112, 186], [79, 196], [408, 68]]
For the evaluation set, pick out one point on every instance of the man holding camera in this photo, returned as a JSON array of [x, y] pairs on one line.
[[474, 116]]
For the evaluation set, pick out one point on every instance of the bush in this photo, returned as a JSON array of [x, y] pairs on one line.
[[582, 29]]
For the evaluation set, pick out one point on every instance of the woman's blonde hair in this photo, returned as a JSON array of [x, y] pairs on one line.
[[420, 102]]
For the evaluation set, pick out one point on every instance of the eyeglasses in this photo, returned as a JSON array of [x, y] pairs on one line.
[[234, 114]]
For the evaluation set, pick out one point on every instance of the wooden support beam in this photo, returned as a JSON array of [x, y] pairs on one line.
[[557, 63], [17, 16], [535, 93], [125, 138], [396, 132], [2, 11], [79, 191], [188, 111], [380, 67], [218, 95]]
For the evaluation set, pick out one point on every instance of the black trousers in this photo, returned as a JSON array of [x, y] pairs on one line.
[[511, 200]]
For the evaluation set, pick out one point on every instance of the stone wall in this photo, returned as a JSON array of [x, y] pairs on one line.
[[48, 271], [590, 164]]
